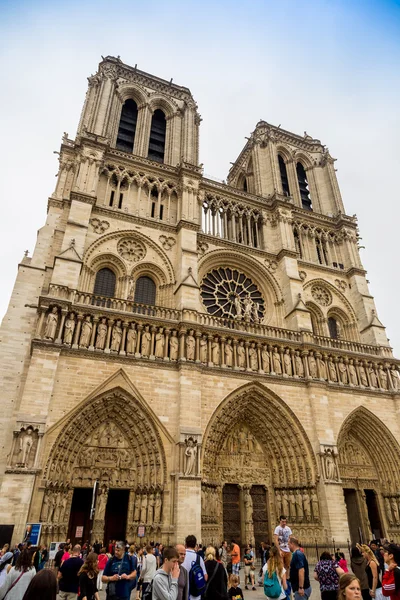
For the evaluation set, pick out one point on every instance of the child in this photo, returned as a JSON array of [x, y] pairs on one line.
[[234, 592]]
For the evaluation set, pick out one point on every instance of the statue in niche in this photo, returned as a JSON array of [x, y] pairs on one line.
[[228, 351], [322, 368], [247, 308], [285, 504], [298, 361], [352, 373], [256, 318], [150, 510], [276, 359], [69, 329], [215, 351], [388, 510], [86, 332], [101, 503], [57, 509], [395, 509], [146, 341], [131, 291], [173, 346], [131, 339], [278, 500], [382, 378], [241, 355], [26, 440], [314, 504], [143, 509], [136, 512], [265, 359], [307, 505], [363, 377], [238, 307], [45, 508], [395, 378], [312, 366], [343, 371], [101, 334], [160, 343], [190, 456], [292, 505], [190, 345], [51, 324], [253, 357], [332, 370], [158, 508], [248, 505], [116, 337], [287, 362], [372, 377], [203, 349], [330, 465], [299, 504]]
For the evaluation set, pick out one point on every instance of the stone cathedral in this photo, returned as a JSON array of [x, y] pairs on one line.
[[207, 352]]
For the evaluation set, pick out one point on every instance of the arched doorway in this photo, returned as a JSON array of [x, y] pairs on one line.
[[112, 440], [369, 458], [257, 464]]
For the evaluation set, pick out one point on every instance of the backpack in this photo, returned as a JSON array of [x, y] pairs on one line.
[[197, 583], [272, 587]]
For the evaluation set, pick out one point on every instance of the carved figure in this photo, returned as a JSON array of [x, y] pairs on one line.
[[299, 364], [238, 307], [278, 500], [363, 377], [395, 378], [343, 371], [307, 505], [253, 357], [276, 359], [332, 370], [247, 308], [173, 346], [395, 509], [150, 510], [372, 376], [158, 508], [292, 505], [285, 503], [146, 342], [248, 506], [69, 329], [265, 359], [352, 373], [86, 332], [383, 378], [131, 292], [190, 456], [143, 509], [131, 339], [45, 508], [136, 512], [25, 446], [299, 504], [101, 337], [330, 465], [314, 504], [51, 324], [215, 351], [241, 355], [160, 343], [203, 349], [312, 366], [101, 504], [116, 337], [322, 368], [190, 345], [256, 318], [287, 363], [228, 351]]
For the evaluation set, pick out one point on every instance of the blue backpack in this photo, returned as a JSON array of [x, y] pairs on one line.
[[197, 583], [272, 587]]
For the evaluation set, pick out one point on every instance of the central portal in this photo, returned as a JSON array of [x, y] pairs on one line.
[[116, 512]]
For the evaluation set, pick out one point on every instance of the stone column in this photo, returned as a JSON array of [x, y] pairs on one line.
[[182, 345], [304, 356], [166, 344], [93, 336], [64, 313], [77, 332], [235, 343], [125, 326], [40, 323], [246, 345], [260, 369], [198, 336], [107, 346], [209, 343], [139, 335], [222, 351], [153, 331]]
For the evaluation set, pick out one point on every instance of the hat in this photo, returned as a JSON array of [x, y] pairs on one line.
[[395, 550]]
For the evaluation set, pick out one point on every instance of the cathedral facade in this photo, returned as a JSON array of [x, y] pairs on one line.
[[198, 356]]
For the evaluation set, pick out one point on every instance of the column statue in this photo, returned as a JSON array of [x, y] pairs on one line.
[[51, 324]]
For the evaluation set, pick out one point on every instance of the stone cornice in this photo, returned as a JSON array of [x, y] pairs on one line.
[[183, 224], [81, 197], [140, 162], [305, 264], [54, 203], [242, 248], [123, 216]]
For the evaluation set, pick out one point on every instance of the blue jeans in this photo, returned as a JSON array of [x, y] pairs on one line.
[[307, 594]]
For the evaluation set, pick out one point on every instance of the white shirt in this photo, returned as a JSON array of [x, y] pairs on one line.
[[190, 559], [283, 595], [149, 567], [283, 534]]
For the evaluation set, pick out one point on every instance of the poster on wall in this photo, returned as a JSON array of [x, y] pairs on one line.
[[79, 531], [141, 531], [54, 547], [32, 533]]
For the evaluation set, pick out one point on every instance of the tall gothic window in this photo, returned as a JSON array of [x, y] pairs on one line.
[[105, 283], [284, 176], [303, 187], [145, 291], [334, 330], [127, 126], [157, 136]]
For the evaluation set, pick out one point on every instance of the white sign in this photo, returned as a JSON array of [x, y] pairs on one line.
[[54, 548]]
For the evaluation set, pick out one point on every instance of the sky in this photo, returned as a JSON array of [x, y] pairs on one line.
[[328, 67]]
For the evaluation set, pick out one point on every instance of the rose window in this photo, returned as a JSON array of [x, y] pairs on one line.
[[229, 293], [321, 295], [131, 250]]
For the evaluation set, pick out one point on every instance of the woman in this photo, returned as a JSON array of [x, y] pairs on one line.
[[327, 573], [274, 566], [44, 558], [5, 548], [248, 559], [341, 561], [349, 587], [43, 586], [371, 570], [358, 565], [18, 578], [5, 562], [66, 554], [88, 578], [391, 577], [101, 564], [217, 582]]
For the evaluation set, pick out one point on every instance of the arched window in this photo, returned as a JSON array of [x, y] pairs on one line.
[[127, 126], [334, 328], [244, 184], [303, 187], [157, 136], [145, 291], [105, 283], [284, 177]]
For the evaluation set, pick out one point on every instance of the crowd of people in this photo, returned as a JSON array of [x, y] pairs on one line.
[[192, 572]]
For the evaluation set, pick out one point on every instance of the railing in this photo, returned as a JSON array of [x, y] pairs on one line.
[[129, 306]]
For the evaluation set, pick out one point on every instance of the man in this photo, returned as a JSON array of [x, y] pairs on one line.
[[149, 568], [165, 582], [200, 551], [120, 573], [68, 575], [375, 547], [299, 574], [235, 558], [281, 538], [58, 557], [223, 553], [190, 561], [183, 579]]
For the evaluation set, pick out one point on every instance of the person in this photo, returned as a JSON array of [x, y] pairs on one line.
[[372, 571], [101, 564], [235, 558], [191, 559], [234, 590], [97, 546], [66, 554], [17, 552], [217, 580], [200, 551], [358, 565], [120, 573], [273, 565], [183, 579], [223, 553], [281, 538], [248, 559], [5, 561], [165, 581], [327, 573], [43, 585], [68, 575], [5, 548], [149, 568], [18, 578], [44, 557], [391, 577], [58, 557], [341, 561], [375, 547], [349, 587], [88, 578], [299, 573]]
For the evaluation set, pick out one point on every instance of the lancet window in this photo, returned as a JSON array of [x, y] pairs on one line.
[[334, 328], [104, 284], [145, 291], [317, 245], [127, 126], [303, 187], [284, 176], [157, 136], [232, 221]]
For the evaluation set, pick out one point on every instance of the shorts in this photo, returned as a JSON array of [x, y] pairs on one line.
[[247, 570], [286, 557], [235, 568], [307, 594]]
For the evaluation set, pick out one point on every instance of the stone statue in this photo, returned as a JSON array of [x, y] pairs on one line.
[[116, 337], [292, 505], [228, 351], [143, 509], [203, 349], [299, 504], [343, 371], [276, 359], [265, 359], [190, 456], [51, 324], [248, 308], [241, 355], [395, 509], [150, 510], [69, 329], [278, 500], [383, 378], [25, 446], [287, 363], [395, 378], [363, 377], [352, 373], [372, 376], [322, 368], [101, 504], [285, 504], [57, 509], [173, 346], [312, 366], [314, 504], [388, 510], [190, 345], [330, 465], [215, 351], [332, 370], [101, 337], [160, 343], [299, 364], [158, 508], [146, 342], [238, 307], [307, 505], [86, 332], [253, 359], [131, 339], [256, 318], [136, 512], [248, 505], [131, 291], [45, 508]]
